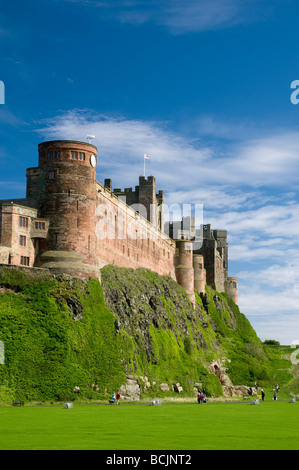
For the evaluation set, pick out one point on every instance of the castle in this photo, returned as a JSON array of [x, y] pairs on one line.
[[69, 223]]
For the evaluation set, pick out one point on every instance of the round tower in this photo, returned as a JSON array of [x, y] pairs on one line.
[[199, 273], [66, 194], [184, 268], [232, 288]]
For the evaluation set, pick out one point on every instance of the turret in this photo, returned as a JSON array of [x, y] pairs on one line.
[[65, 187], [232, 288], [184, 268], [199, 273]]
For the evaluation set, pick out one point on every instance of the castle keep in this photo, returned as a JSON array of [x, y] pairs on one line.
[[69, 223]]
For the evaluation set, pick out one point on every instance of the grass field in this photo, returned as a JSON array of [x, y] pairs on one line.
[[227, 426]]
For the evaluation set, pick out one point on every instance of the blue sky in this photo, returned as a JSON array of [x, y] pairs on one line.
[[203, 87]]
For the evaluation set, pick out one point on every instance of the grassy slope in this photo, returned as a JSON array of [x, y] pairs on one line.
[[149, 329], [47, 352]]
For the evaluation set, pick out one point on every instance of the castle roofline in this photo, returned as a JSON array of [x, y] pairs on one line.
[[66, 142]]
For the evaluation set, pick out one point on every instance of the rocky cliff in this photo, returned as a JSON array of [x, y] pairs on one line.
[[176, 348], [136, 332]]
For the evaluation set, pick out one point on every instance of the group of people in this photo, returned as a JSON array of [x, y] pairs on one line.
[[275, 391], [115, 398], [201, 398]]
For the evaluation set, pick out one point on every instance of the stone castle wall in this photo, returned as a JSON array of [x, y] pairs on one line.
[[184, 267], [17, 228], [86, 226], [69, 223], [127, 239]]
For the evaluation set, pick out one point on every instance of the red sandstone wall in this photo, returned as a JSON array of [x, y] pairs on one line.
[[200, 276], [232, 288], [86, 220], [184, 267], [126, 239], [67, 196], [220, 280]]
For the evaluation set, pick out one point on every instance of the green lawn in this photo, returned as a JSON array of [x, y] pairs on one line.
[[212, 426]]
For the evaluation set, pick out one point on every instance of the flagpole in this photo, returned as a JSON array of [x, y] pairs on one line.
[[144, 166], [145, 157]]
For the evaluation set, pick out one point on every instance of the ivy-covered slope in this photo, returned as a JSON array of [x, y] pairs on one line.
[[62, 332], [173, 341]]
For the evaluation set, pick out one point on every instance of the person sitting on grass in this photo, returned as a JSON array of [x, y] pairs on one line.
[[201, 398]]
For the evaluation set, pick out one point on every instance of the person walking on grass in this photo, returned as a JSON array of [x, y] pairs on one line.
[[263, 394], [118, 398]]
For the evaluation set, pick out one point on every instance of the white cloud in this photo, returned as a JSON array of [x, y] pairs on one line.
[[260, 163], [281, 327], [200, 15], [122, 144], [272, 160], [182, 17], [270, 301], [270, 220]]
